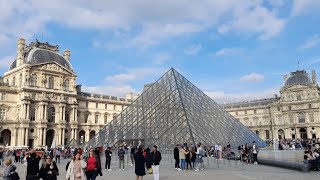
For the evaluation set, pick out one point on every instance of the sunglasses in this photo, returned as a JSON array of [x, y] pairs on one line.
[[48, 158]]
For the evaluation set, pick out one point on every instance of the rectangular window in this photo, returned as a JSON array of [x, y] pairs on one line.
[[33, 96], [97, 105], [3, 96], [237, 113], [114, 107], [245, 112], [311, 117], [2, 114], [255, 111], [291, 118], [106, 106], [67, 116], [87, 104], [122, 108], [96, 119]]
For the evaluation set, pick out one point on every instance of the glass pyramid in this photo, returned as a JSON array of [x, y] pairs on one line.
[[174, 111]]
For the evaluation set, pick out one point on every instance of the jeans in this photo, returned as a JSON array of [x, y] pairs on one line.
[[155, 170], [91, 175], [121, 162], [108, 161], [176, 164], [183, 164]]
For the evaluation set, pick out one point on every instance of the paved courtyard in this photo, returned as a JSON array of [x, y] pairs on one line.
[[234, 171]]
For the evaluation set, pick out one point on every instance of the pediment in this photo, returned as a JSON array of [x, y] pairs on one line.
[[53, 67]]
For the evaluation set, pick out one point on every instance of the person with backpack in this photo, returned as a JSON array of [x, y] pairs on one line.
[[121, 154], [200, 155], [49, 170], [9, 171]]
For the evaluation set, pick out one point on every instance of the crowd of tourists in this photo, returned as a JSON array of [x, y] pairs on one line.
[[293, 144]]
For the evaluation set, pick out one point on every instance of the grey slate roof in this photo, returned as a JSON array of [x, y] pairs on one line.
[[298, 77], [39, 56]]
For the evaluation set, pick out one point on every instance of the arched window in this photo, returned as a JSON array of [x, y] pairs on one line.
[[51, 83], [33, 80], [66, 85], [86, 117], [32, 114], [301, 118], [51, 114], [267, 134]]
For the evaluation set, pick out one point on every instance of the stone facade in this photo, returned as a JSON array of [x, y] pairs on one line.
[[293, 115], [40, 102]]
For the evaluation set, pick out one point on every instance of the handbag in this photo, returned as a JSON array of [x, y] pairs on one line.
[[14, 176]]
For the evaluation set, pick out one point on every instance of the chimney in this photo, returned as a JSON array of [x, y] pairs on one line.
[[285, 77], [20, 51], [314, 76], [66, 54]]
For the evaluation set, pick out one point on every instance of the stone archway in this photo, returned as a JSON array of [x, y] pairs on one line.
[[82, 137], [281, 134], [303, 133], [92, 134], [49, 137], [5, 137]]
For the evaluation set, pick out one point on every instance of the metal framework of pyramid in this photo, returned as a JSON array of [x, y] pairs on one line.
[[174, 111]]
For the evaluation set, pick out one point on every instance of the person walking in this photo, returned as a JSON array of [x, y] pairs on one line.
[[76, 168], [49, 169], [93, 165], [9, 170], [121, 154], [176, 157], [255, 153], [148, 160], [58, 155], [156, 158], [132, 152], [108, 154], [32, 159], [139, 164]]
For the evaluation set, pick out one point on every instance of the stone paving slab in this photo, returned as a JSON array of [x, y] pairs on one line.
[[232, 172]]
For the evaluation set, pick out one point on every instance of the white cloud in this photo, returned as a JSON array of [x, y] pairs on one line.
[[193, 50], [228, 51], [134, 75], [304, 6], [6, 61], [255, 20], [253, 77], [222, 97], [161, 58], [147, 22], [311, 42], [113, 90]]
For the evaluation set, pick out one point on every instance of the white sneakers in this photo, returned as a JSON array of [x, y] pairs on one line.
[[109, 169]]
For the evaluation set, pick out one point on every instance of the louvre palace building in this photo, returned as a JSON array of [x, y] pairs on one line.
[[40, 101], [293, 115]]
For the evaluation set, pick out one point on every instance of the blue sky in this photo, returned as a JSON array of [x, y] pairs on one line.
[[234, 50]]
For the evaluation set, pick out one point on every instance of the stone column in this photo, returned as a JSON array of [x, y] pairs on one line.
[[76, 134], [14, 137], [40, 137], [75, 114], [63, 135], [44, 136], [45, 113], [26, 136], [63, 113], [72, 134], [298, 133], [28, 111], [22, 137]]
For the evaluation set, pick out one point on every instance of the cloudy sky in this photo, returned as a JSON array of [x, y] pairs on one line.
[[234, 50]]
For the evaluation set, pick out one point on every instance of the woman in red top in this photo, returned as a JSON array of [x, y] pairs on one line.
[[93, 165]]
